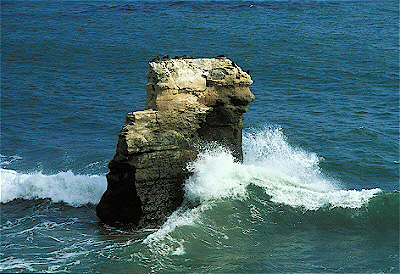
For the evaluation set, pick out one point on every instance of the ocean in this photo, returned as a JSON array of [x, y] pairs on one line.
[[318, 190]]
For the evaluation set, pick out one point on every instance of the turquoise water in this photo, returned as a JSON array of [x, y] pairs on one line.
[[319, 187]]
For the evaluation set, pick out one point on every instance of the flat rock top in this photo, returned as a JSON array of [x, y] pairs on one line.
[[193, 74]]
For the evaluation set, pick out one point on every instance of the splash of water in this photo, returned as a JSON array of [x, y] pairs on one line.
[[288, 175], [75, 190]]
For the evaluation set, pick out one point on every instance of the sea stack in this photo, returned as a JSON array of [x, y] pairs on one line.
[[189, 102]]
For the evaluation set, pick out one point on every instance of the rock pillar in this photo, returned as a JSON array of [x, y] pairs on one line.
[[189, 101]]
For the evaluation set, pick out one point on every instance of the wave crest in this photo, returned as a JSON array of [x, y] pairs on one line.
[[282, 174], [287, 174], [75, 190]]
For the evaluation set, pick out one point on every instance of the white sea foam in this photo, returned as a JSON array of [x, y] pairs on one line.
[[15, 263], [161, 243], [216, 175], [75, 190], [6, 160], [288, 175]]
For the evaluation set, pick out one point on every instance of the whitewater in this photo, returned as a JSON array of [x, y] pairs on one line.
[[225, 202], [287, 175]]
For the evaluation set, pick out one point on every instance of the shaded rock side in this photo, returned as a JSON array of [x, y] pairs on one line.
[[188, 102]]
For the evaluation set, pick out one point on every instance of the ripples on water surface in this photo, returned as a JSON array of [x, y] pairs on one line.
[[318, 191]]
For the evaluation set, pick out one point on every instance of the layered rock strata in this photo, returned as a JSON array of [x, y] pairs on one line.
[[189, 101]]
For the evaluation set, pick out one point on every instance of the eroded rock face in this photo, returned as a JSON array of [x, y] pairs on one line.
[[189, 101]]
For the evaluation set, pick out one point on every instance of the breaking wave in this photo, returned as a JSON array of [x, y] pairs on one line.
[[67, 187], [274, 174], [287, 174]]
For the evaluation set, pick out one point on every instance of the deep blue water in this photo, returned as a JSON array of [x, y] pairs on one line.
[[326, 118]]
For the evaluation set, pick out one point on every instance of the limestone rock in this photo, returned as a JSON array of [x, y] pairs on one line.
[[189, 101]]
